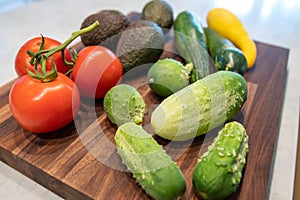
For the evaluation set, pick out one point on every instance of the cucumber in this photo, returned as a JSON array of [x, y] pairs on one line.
[[224, 54], [200, 107], [151, 166], [123, 103], [218, 171], [167, 76], [190, 41]]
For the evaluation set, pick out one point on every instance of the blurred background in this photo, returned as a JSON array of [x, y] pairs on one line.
[[7, 5]]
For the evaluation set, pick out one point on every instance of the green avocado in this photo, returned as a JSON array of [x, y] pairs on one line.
[[141, 43], [160, 12], [111, 23]]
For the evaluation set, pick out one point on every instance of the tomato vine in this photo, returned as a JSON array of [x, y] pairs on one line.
[[42, 55]]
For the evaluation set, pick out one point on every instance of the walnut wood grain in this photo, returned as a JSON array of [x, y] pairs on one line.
[[73, 162]]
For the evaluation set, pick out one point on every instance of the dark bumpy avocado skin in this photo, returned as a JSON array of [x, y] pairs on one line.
[[141, 43], [160, 12], [111, 23]]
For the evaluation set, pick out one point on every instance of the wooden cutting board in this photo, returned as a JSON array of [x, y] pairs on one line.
[[80, 160]]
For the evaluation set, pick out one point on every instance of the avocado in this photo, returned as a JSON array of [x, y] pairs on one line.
[[160, 12], [111, 23], [141, 43]]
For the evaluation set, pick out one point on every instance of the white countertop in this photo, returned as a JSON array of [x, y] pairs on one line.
[[270, 21]]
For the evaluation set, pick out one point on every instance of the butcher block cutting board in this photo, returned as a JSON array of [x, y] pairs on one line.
[[80, 160]]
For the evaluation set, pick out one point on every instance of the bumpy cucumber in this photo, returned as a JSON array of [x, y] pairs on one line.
[[218, 171], [123, 103], [167, 76], [190, 41], [200, 107], [224, 54], [152, 167]]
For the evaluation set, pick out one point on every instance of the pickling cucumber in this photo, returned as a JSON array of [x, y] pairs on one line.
[[151, 166], [224, 54], [167, 76], [123, 103], [200, 107], [218, 171], [190, 41]]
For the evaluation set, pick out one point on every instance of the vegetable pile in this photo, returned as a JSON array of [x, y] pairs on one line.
[[204, 90]]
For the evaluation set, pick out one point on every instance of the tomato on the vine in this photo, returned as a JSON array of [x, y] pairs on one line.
[[97, 69], [22, 60], [44, 107]]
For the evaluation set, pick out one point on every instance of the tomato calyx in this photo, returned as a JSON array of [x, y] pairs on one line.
[[40, 57], [44, 76]]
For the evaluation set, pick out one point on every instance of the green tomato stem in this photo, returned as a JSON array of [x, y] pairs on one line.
[[43, 64], [65, 60], [43, 43], [70, 39], [43, 54]]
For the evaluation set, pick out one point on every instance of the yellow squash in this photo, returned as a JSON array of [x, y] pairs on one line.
[[229, 26]]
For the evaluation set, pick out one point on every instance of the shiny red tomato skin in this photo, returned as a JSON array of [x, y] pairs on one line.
[[22, 59], [97, 69], [44, 107]]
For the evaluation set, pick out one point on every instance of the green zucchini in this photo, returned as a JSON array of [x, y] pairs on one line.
[[224, 54], [190, 41], [123, 103], [200, 107], [218, 171], [152, 167]]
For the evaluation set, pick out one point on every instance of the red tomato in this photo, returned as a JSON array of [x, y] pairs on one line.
[[22, 59], [97, 69], [44, 107]]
